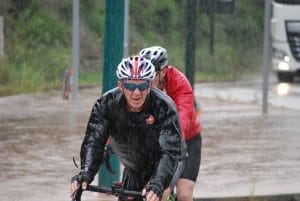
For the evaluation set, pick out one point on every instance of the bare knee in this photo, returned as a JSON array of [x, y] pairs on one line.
[[184, 190], [185, 196]]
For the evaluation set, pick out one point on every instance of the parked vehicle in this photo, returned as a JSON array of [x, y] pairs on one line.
[[285, 31]]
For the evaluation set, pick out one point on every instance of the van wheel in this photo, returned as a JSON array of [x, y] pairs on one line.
[[285, 76]]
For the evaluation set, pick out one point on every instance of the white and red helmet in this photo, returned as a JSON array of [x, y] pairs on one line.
[[136, 68]]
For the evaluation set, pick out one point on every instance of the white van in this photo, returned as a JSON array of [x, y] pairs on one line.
[[285, 31]]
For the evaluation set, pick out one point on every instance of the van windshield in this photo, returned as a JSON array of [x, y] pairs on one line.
[[288, 1]]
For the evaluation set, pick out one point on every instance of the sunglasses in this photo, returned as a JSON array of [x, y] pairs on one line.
[[131, 86]]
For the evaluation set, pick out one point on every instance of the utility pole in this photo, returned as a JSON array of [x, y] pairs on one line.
[[75, 48], [266, 57], [113, 54]]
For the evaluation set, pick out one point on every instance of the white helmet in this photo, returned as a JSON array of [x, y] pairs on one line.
[[136, 67], [157, 55]]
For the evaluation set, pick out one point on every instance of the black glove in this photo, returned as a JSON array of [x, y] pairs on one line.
[[76, 195], [155, 188], [80, 178]]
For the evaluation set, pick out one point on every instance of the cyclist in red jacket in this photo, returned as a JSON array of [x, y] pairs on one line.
[[177, 86]]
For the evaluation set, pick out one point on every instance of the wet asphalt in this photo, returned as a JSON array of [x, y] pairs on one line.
[[246, 155]]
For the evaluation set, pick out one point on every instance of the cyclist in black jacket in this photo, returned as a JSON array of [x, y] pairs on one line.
[[143, 128]]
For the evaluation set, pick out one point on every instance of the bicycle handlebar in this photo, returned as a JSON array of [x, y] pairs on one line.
[[117, 191], [113, 190]]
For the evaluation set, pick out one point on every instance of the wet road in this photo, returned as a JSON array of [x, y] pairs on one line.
[[249, 90], [244, 152], [39, 135]]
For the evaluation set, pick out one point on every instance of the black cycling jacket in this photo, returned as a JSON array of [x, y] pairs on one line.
[[148, 141]]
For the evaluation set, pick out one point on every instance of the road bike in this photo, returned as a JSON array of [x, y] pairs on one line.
[[116, 189]]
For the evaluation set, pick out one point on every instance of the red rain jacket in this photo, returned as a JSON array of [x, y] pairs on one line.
[[179, 89]]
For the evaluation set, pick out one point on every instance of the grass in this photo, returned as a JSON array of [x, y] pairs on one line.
[[39, 44]]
